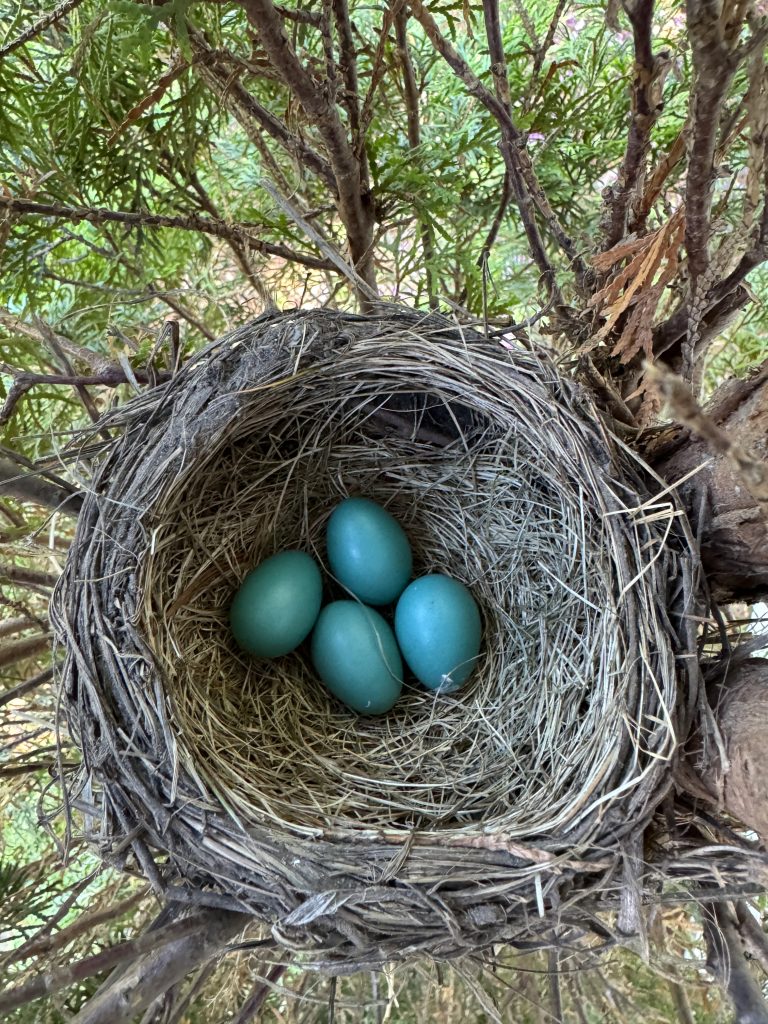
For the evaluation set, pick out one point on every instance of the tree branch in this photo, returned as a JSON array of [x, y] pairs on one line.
[[40, 26], [32, 578], [191, 222], [655, 183], [348, 67], [121, 999], [44, 943], [726, 962], [650, 72], [31, 486], [110, 378], [20, 650], [16, 692], [716, 56], [411, 92], [181, 936], [248, 112], [251, 1007], [525, 187], [355, 207], [496, 53]]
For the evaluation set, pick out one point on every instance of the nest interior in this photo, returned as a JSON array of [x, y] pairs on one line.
[[447, 824]]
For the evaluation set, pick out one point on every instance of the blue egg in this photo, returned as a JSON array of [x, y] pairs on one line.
[[277, 604], [368, 552], [355, 654], [438, 627]]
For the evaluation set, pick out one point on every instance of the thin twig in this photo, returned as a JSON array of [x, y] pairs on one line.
[[58, 978], [411, 92], [190, 222], [40, 26], [525, 187], [355, 208], [24, 382], [650, 72]]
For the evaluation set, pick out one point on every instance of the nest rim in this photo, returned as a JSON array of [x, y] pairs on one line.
[[653, 522]]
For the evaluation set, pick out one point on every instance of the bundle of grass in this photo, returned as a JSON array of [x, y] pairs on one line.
[[455, 821]]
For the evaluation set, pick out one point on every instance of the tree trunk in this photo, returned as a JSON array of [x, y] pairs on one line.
[[727, 517], [741, 712]]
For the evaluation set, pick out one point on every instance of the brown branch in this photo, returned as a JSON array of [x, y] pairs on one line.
[[17, 692], [183, 312], [27, 577], [377, 69], [348, 66], [411, 91], [715, 59], [725, 960], [650, 72], [501, 83], [249, 113], [493, 231], [13, 626], [496, 52], [196, 940], [355, 207], [20, 650], [52, 341], [40, 26], [303, 17], [752, 935], [656, 181], [541, 51], [30, 486], [44, 943], [326, 36], [59, 978], [251, 1007], [682, 1005], [93, 360], [242, 257], [525, 187], [191, 222], [23, 382]]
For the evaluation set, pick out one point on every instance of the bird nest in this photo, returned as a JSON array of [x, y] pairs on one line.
[[456, 820]]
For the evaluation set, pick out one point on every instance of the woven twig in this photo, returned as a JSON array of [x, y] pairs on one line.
[[453, 822]]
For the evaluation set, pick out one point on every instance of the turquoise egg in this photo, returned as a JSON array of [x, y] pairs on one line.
[[368, 552], [277, 604], [437, 624], [355, 653]]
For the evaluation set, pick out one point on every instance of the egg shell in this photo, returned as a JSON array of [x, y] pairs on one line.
[[368, 551], [355, 654], [277, 604], [438, 627]]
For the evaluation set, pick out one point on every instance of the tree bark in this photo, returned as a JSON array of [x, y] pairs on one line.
[[727, 517], [28, 486], [121, 1001], [741, 712], [727, 963]]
